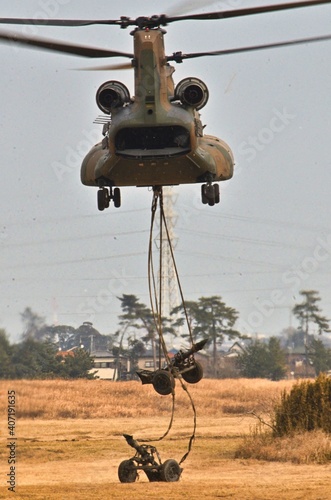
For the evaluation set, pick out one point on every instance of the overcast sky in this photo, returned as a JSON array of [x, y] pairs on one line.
[[270, 236]]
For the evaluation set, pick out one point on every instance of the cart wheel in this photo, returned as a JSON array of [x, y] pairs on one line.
[[195, 375], [127, 472], [170, 471], [163, 382]]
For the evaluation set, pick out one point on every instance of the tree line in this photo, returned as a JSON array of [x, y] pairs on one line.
[[38, 353], [32, 359]]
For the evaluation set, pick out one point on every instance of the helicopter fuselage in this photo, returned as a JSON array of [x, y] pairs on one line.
[[155, 138]]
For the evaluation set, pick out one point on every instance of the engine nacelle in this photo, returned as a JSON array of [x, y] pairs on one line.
[[111, 95], [192, 92]]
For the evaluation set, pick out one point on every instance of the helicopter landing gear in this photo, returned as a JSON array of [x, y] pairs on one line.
[[105, 195], [210, 193], [103, 198]]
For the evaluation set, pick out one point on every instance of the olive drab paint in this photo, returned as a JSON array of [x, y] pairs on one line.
[[155, 137]]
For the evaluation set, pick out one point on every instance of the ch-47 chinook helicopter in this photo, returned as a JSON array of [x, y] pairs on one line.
[[155, 137]]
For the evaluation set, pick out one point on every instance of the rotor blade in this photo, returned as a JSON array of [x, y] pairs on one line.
[[163, 20], [106, 68], [179, 57], [65, 48], [245, 11], [58, 22]]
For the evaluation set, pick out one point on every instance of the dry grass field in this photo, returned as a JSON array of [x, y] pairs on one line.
[[70, 443]]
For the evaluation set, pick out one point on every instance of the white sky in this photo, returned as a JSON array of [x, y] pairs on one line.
[[270, 236]]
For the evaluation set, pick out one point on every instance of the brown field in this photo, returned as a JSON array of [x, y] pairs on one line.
[[70, 443]]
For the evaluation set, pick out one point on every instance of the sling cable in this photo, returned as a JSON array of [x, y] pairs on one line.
[[182, 366]]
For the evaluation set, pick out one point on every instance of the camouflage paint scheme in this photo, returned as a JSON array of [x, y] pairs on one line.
[[187, 157]]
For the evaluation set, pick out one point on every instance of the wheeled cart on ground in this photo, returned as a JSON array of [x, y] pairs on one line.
[[148, 460]]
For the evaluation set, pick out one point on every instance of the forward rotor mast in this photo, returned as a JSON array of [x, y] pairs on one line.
[[153, 81]]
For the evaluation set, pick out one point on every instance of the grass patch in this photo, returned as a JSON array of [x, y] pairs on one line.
[[71, 442], [95, 399], [299, 448]]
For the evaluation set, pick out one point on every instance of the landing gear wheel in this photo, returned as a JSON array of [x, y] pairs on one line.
[[210, 194], [103, 199], [216, 193], [204, 198], [195, 375], [211, 202], [117, 197], [163, 382], [170, 471], [127, 472]]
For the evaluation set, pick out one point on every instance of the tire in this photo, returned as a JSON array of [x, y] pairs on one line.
[[101, 200], [204, 198], [117, 197], [209, 194], [163, 382], [217, 193], [195, 375], [170, 471], [127, 472]]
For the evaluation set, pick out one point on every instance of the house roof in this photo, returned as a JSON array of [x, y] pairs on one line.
[[64, 354], [234, 350]]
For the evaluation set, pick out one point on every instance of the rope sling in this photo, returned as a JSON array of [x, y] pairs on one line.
[[156, 299]]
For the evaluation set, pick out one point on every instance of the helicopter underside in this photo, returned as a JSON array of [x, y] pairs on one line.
[[211, 160]]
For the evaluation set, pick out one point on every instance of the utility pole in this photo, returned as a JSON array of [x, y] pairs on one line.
[[166, 274]]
